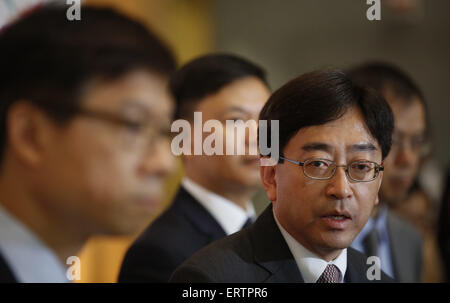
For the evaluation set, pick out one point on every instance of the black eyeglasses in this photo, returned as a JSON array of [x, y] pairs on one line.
[[324, 169], [148, 135]]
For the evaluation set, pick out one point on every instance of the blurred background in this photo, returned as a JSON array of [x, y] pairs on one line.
[[288, 38]]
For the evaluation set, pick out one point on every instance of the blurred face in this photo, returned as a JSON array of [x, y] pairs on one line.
[[243, 99], [325, 215], [104, 175], [402, 163]]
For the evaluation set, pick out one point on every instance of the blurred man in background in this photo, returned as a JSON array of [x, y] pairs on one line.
[[214, 199], [84, 115], [387, 234]]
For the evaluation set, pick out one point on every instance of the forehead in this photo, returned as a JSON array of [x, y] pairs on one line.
[[409, 116], [341, 134], [141, 90], [248, 94]]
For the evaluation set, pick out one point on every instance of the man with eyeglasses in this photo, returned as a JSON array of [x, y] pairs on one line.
[[390, 237], [84, 113], [333, 137]]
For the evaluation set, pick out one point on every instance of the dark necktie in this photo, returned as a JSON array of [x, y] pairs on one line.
[[247, 223], [370, 243], [330, 274]]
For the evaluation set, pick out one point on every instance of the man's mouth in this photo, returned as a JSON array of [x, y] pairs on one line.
[[338, 217], [148, 202], [337, 220], [338, 214]]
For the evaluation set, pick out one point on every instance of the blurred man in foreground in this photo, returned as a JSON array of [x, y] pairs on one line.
[[84, 120]]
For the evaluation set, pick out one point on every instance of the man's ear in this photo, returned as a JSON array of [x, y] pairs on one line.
[[27, 132], [268, 178]]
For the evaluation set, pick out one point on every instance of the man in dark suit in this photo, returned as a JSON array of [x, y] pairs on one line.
[[214, 199], [6, 276], [387, 235], [333, 136], [258, 254], [84, 136]]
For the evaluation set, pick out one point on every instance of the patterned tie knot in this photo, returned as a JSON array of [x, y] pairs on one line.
[[329, 275]]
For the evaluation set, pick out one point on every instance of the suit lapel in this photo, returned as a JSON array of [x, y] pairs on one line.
[[6, 276], [197, 215], [271, 250], [400, 259], [355, 270]]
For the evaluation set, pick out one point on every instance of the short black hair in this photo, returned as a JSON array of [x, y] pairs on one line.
[[383, 76], [206, 75], [323, 96], [46, 59]]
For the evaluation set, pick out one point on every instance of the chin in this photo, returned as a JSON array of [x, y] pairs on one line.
[[123, 230], [123, 226], [339, 241]]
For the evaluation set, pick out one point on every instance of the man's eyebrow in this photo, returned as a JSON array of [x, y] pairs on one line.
[[136, 107], [362, 147], [314, 146], [234, 109], [319, 146]]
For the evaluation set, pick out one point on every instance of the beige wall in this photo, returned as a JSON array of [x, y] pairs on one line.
[[291, 37]]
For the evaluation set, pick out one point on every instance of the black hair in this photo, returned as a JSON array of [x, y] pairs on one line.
[[383, 76], [47, 59], [207, 75], [323, 96]]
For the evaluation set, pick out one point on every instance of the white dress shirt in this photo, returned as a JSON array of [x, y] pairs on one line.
[[228, 214], [310, 265], [29, 259]]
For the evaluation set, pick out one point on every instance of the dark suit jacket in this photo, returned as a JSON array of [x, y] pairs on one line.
[[178, 233], [6, 276], [257, 254], [406, 249]]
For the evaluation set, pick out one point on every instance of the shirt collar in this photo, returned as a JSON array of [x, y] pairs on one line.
[[310, 265], [228, 214], [28, 257]]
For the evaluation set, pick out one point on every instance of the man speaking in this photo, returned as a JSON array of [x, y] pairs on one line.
[[333, 137]]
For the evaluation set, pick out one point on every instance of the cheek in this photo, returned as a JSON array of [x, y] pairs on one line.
[[389, 166], [105, 172], [365, 197], [298, 197], [229, 165]]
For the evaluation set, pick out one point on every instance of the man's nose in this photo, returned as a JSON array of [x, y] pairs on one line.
[[338, 187], [159, 161]]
